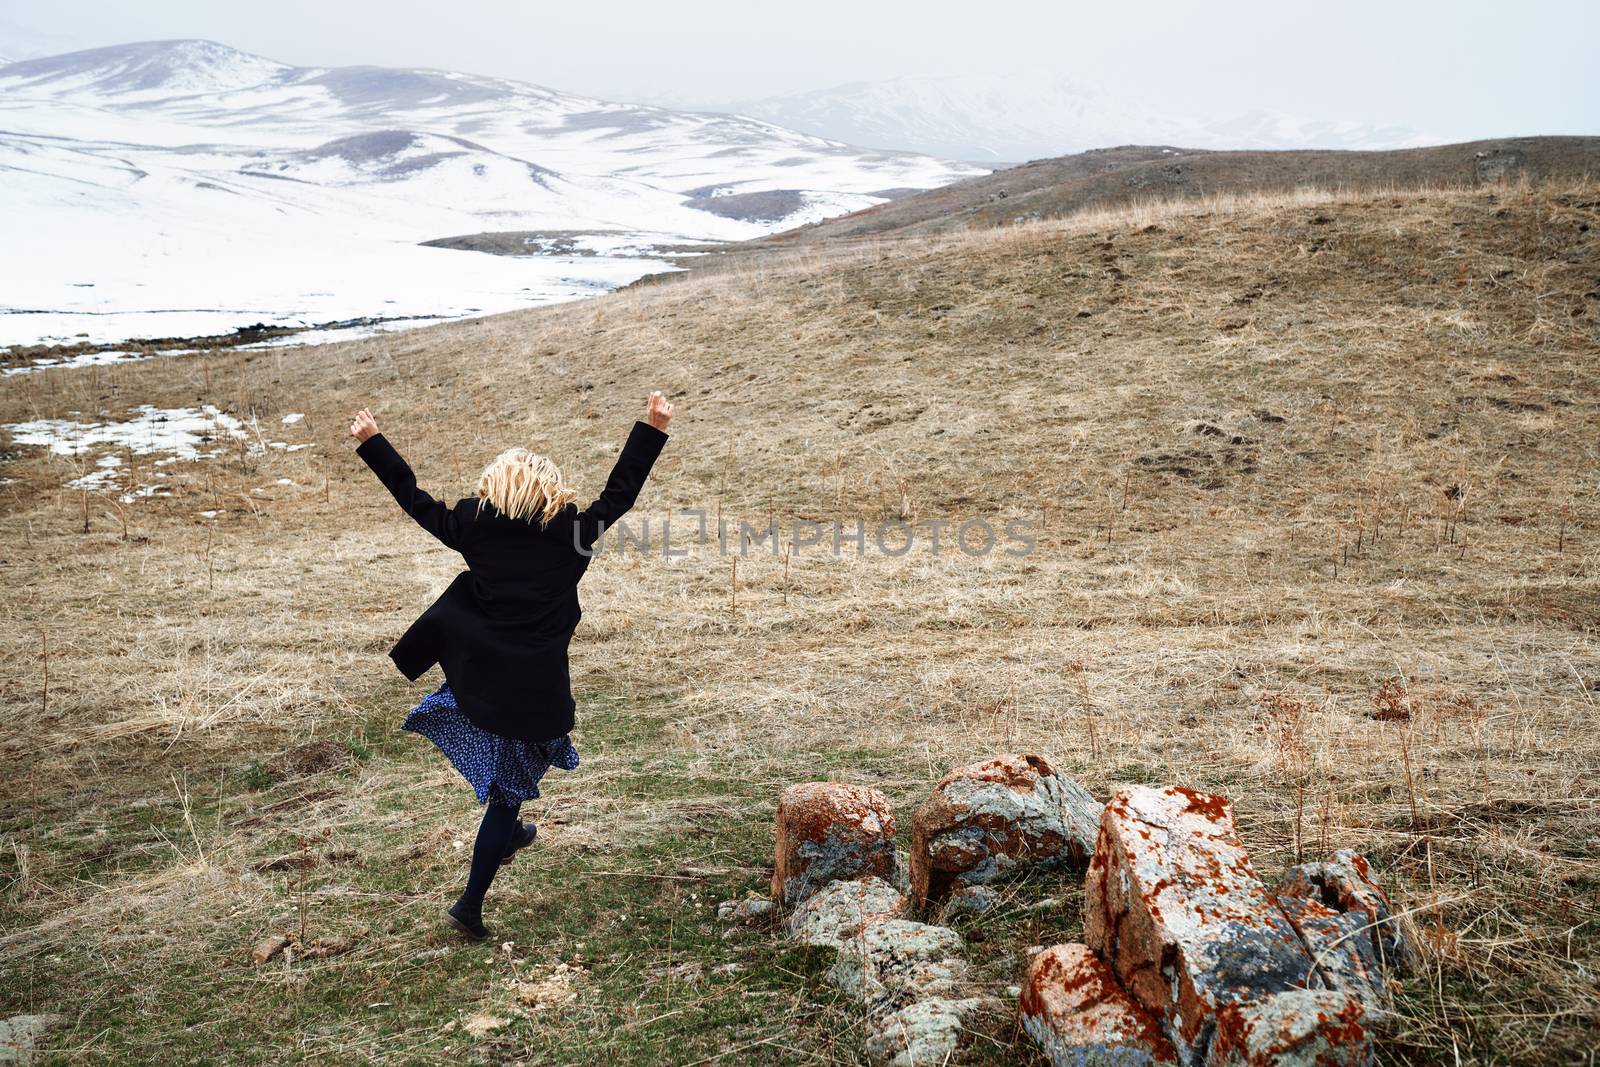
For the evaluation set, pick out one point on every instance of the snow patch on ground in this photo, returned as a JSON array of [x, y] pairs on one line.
[[179, 431], [175, 434]]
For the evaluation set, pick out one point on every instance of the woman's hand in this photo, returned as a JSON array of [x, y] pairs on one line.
[[657, 412], [365, 425]]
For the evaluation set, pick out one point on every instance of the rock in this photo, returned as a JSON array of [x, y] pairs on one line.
[[1174, 906], [896, 962], [971, 900], [827, 832], [268, 947], [1294, 1028], [1341, 949], [1344, 884], [922, 1033], [19, 1035], [750, 910], [990, 818], [838, 912], [1073, 1006]]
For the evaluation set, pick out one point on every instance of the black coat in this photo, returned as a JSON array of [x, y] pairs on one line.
[[500, 631]]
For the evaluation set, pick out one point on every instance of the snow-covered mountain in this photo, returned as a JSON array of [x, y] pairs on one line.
[[1036, 114], [174, 188]]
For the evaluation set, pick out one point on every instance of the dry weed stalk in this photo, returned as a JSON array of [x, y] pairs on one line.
[[1288, 716], [1080, 676]]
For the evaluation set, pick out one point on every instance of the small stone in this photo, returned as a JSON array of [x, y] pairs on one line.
[[548, 986], [268, 948], [839, 911], [827, 832], [988, 819], [749, 910], [971, 900], [898, 961], [1073, 1006]]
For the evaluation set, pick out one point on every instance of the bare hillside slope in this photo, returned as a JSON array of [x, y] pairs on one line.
[[1112, 177]]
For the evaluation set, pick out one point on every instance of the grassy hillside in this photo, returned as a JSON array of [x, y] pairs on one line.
[[1315, 485], [1114, 177]]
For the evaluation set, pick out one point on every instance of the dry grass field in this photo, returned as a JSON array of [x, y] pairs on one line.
[[1315, 484]]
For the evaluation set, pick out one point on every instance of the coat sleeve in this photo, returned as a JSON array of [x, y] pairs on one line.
[[622, 488], [395, 473]]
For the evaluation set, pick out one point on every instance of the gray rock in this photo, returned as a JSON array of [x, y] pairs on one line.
[[829, 832], [989, 819], [971, 900], [1344, 883], [838, 912], [922, 1033], [1295, 1028], [19, 1036], [750, 910], [896, 962]]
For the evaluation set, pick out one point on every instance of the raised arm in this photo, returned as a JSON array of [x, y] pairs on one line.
[[395, 473], [644, 444]]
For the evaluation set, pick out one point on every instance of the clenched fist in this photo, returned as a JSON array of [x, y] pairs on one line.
[[364, 425], [657, 412]]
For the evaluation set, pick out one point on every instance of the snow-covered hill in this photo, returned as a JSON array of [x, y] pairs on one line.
[[1036, 114], [177, 188]]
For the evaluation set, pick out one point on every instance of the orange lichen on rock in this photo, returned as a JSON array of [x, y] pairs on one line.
[[1073, 1006], [991, 818], [1174, 905], [827, 832]]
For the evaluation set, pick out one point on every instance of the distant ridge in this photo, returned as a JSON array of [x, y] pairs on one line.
[[1033, 113], [1110, 177]]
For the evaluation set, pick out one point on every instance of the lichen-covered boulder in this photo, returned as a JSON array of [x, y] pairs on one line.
[[837, 912], [1175, 907], [1073, 1006], [896, 962], [1344, 884], [1294, 1028], [921, 1033], [827, 832], [990, 818], [1341, 949]]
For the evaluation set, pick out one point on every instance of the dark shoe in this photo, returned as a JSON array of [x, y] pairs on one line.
[[524, 837], [467, 921]]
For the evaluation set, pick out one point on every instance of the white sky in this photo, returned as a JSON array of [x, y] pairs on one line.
[[1458, 69]]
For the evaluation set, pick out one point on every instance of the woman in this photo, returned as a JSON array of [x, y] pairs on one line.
[[500, 631]]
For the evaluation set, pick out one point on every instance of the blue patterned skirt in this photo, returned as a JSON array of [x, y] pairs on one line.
[[501, 770]]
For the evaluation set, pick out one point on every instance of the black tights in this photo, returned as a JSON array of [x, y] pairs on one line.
[[500, 824]]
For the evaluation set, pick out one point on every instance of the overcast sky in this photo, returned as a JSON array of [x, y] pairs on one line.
[[1457, 69]]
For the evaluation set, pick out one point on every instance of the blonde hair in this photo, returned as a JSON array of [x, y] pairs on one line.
[[524, 485]]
